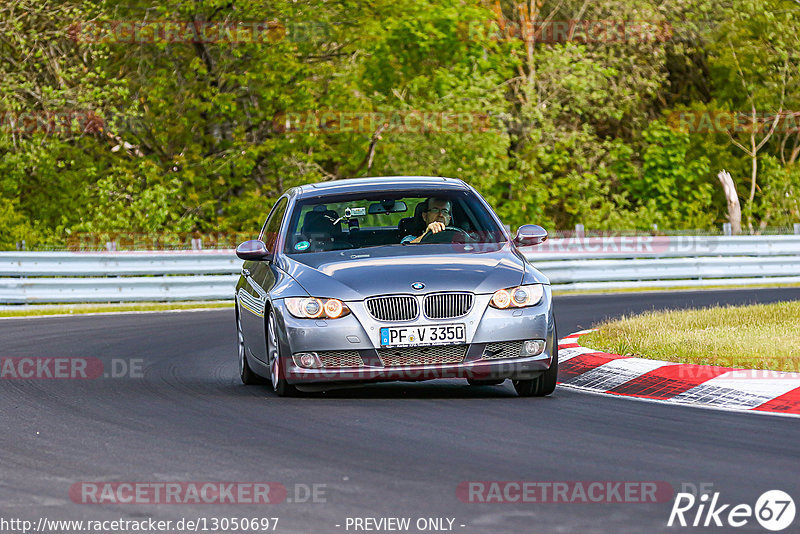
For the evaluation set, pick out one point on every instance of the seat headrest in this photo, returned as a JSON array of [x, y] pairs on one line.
[[321, 223], [419, 209]]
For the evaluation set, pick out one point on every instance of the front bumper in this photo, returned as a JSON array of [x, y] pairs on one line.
[[359, 333]]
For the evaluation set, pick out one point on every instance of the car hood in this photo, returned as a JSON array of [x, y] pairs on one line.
[[357, 274]]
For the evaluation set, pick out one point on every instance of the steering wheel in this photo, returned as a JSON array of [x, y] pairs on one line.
[[448, 235]]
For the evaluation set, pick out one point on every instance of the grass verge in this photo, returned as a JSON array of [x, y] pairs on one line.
[[762, 336], [76, 309]]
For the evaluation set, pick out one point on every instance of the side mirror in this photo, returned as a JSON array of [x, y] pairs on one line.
[[530, 234], [253, 250]]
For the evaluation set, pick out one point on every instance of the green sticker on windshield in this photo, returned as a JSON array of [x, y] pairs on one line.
[[302, 245]]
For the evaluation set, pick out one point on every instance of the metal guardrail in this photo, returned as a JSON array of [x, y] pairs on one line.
[[680, 246], [118, 263], [119, 289], [574, 263], [641, 262], [50, 277]]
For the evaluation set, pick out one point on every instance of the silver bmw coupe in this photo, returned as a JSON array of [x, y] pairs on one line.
[[392, 278]]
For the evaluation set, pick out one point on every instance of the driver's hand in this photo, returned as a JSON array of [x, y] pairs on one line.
[[435, 227]]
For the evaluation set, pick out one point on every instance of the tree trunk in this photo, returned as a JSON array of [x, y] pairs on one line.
[[734, 209]]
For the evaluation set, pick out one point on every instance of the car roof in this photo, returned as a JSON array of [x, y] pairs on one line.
[[380, 183]]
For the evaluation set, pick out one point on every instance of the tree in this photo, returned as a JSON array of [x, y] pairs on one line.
[[757, 75]]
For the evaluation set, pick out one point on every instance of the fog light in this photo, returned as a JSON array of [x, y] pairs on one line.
[[533, 347], [307, 360]]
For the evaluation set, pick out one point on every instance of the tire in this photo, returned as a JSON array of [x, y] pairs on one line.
[[249, 378], [487, 382], [279, 384], [545, 383]]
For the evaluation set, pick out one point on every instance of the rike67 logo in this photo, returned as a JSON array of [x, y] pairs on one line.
[[774, 510]]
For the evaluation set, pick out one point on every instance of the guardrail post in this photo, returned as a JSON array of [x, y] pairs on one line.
[[797, 228], [727, 229], [579, 231]]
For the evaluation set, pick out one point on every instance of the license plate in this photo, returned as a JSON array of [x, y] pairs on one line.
[[420, 336]]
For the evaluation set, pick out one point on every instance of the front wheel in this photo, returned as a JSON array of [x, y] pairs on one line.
[[279, 384]]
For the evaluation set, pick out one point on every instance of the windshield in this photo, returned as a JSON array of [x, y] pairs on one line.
[[363, 220]]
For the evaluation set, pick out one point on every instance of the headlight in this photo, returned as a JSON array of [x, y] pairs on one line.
[[316, 308], [517, 297]]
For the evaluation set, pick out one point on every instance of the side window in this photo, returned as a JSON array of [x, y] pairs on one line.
[[269, 234]]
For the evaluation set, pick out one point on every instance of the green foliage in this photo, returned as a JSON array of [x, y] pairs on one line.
[[679, 188], [193, 136], [779, 201], [14, 227]]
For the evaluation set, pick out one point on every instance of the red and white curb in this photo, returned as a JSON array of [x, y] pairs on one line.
[[699, 385]]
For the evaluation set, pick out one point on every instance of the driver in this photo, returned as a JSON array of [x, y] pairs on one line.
[[437, 215]]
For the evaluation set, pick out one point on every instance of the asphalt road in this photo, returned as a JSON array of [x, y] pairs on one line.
[[390, 450]]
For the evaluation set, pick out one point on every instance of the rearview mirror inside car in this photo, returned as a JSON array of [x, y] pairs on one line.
[[387, 206]]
